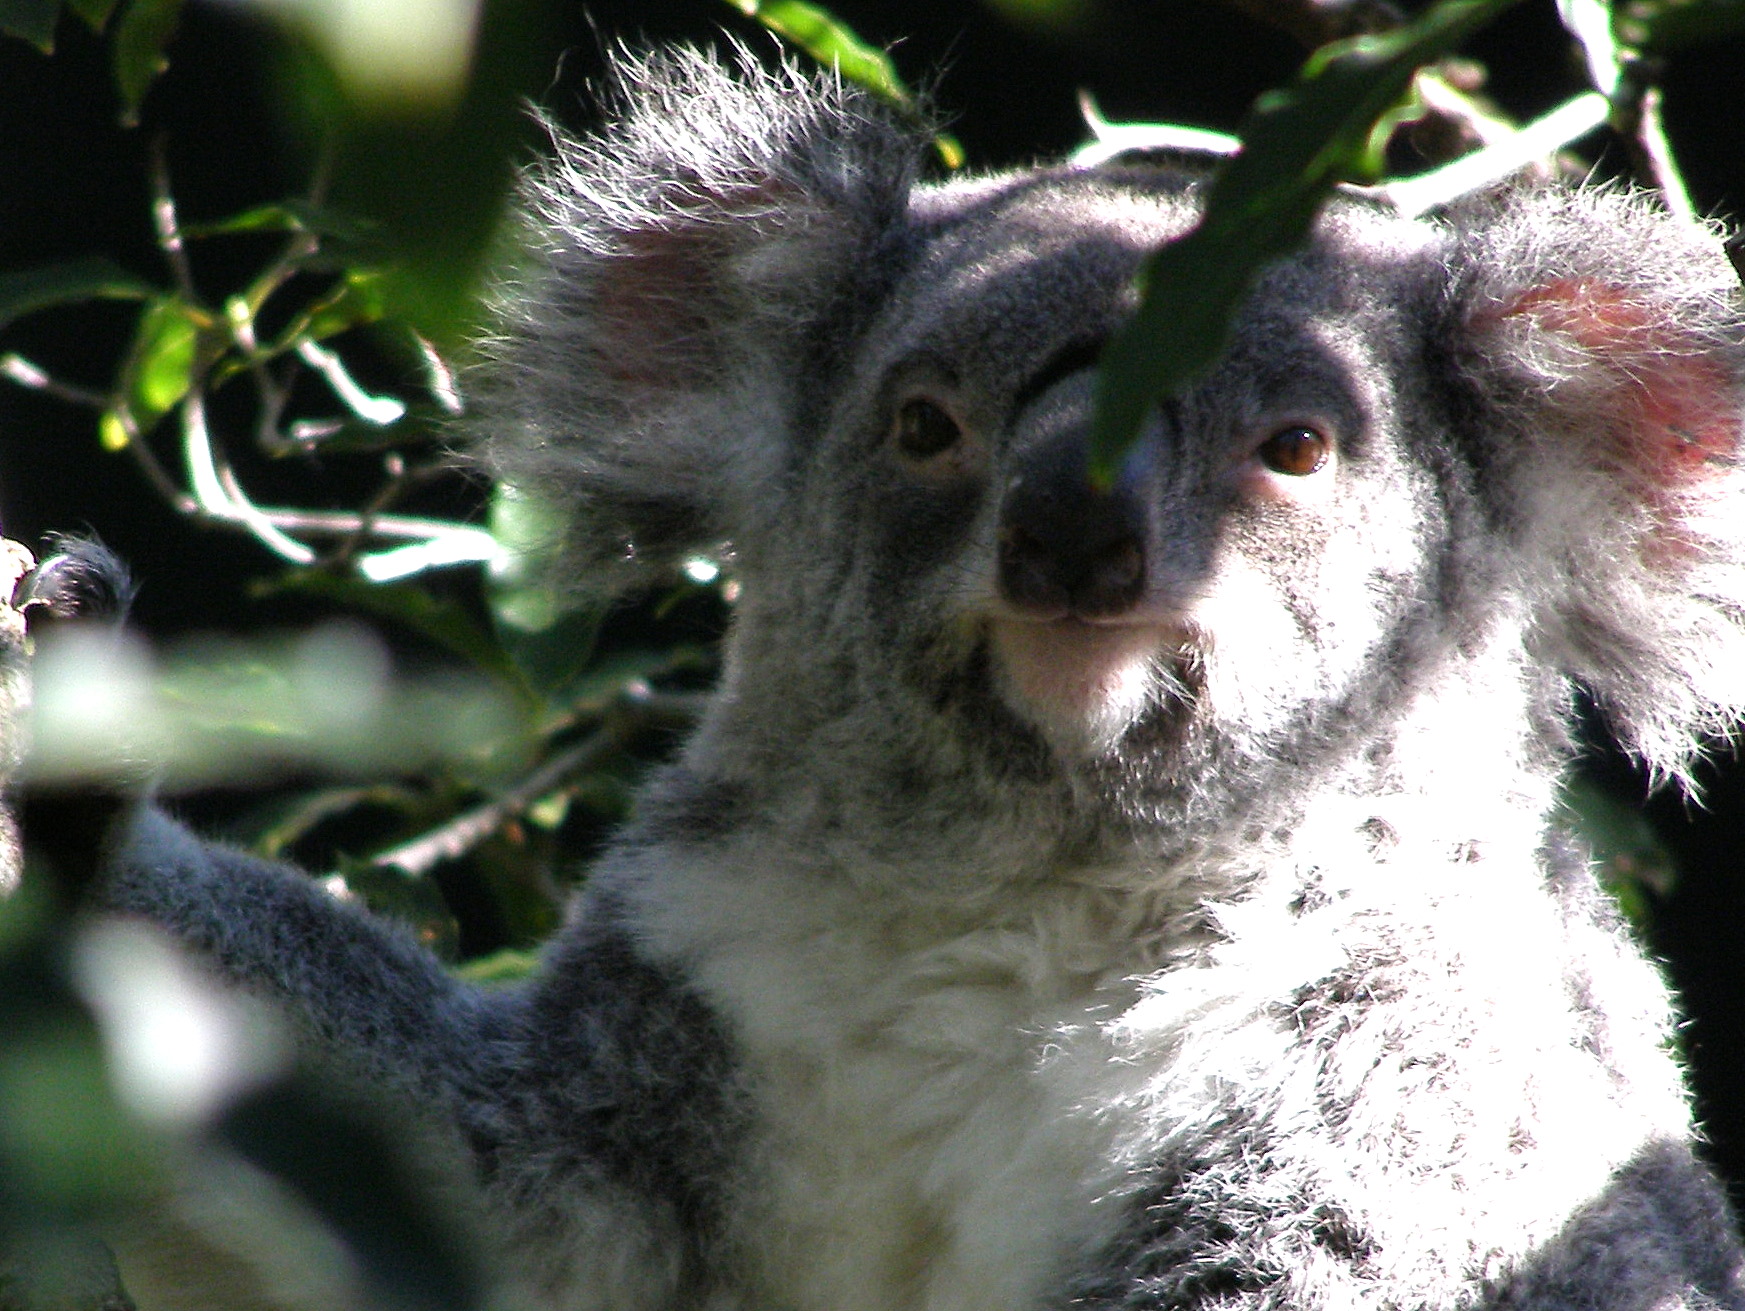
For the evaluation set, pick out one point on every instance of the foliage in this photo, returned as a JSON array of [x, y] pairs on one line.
[[524, 739]]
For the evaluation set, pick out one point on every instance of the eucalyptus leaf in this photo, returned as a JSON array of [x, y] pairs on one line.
[[1299, 142], [164, 354], [94, 13], [93, 278], [138, 56], [444, 623], [33, 20]]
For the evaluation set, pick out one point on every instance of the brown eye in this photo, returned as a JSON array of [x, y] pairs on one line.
[[1297, 451], [923, 430]]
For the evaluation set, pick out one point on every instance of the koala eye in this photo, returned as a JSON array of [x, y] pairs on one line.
[[1297, 451], [923, 429]]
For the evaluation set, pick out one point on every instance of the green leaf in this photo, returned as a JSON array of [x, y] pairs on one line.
[[1632, 862], [351, 1168], [444, 623], [835, 45], [1655, 26], [832, 43], [553, 658], [95, 13], [357, 300], [48, 285], [145, 29], [1298, 143], [281, 216], [34, 20], [505, 966], [160, 368]]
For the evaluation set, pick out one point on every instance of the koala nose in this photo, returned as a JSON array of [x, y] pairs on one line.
[[1067, 547]]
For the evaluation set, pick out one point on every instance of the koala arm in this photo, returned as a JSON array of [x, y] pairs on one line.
[[351, 982]]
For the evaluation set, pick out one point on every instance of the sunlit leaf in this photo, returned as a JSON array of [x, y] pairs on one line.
[[1298, 143], [164, 358], [357, 300], [832, 43], [283, 216], [835, 45], [28, 290], [112, 431], [506, 966]]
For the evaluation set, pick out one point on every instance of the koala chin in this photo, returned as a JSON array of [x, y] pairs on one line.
[[1083, 684], [1135, 897]]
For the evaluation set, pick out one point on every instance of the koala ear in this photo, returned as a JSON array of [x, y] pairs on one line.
[[651, 348], [1608, 339]]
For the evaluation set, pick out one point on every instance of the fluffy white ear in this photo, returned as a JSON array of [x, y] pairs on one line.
[[1608, 340], [652, 346]]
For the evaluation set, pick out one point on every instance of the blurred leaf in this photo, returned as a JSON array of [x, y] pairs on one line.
[[34, 20], [345, 1164], [506, 966], [95, 13], [285, 821], [92, 278], [554, 658], [414, 901], [112, 431], [283, 216], [447, 624], [392, 56], [549, 640], [1664, 25], [1298, 143], [1629, 856], [327, 701], [528, 526], [355, 301], [67, 1149], [140, 39], [161, 366]]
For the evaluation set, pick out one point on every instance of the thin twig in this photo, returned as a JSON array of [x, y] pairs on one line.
[[166, 224], [27, 374], [635, 710]]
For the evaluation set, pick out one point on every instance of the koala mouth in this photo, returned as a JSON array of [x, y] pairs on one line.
[[1084, 683]]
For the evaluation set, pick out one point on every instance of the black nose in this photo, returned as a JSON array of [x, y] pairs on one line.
[[1066, 547]]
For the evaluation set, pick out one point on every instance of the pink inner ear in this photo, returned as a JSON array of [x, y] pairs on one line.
[[1671, 406], [658, 300]]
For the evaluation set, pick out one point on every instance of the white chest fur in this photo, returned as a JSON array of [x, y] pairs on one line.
[[930, 1088], [951, 1104]]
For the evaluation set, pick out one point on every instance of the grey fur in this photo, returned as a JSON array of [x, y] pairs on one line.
[[1220, 952]]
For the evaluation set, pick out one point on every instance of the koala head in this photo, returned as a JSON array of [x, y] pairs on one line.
[[1470, 461]]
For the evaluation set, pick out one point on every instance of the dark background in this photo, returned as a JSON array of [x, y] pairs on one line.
[[73, 182]]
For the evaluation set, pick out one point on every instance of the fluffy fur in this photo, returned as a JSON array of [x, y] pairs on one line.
[[1130, 898]]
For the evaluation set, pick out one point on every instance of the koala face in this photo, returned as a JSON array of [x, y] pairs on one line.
[[1239, 589], [1444, 470]]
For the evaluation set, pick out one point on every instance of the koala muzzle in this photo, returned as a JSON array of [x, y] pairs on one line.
[[1066, 547]]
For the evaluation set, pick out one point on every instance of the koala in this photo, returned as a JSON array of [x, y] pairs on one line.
[[1142, 895]]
